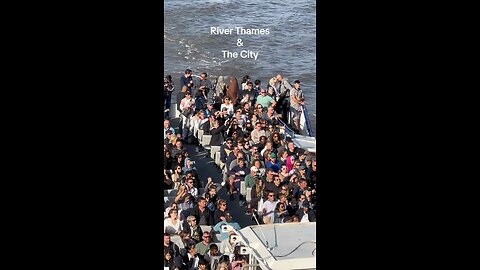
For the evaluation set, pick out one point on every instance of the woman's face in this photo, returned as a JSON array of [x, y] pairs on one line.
[[168, 256]]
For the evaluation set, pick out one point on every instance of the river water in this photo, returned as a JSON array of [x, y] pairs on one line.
[[289, 48]]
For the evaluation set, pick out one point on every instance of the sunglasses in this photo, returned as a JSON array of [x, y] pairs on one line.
[[190, 182], [271, 195]]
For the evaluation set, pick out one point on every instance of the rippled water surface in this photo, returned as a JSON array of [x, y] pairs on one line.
[[289, 49]]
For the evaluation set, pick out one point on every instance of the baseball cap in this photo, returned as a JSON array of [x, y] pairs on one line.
[[253, 168], [272, 155]]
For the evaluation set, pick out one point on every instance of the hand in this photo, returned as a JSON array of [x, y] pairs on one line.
[[209, 180]]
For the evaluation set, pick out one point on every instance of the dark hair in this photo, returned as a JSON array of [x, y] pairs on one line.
[[257, 82], [190, 245], [168, 77], [187, 71]]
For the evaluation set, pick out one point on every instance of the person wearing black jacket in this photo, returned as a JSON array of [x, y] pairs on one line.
[[169, 245], [192, 258], [305, 210], [193, 229], [217, 134], [203, 215]]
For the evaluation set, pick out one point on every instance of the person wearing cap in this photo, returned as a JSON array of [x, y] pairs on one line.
[[251, 178], [302, 171], [273, 163], [228, 221], [169, 140], [305, 213]]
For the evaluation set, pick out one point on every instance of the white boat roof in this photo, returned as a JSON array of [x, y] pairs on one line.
[[283, 239]]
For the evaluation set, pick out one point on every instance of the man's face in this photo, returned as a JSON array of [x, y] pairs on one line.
[[179, 145], [303, 184], [229, 144], [276, 181], [166, 239], [166, 123], [296, 85], [214, 251], [206, 237], [241, 163], [210, 106], [258, 126], [271, 197]]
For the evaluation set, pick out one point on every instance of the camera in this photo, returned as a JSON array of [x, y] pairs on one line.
[[244, 250]]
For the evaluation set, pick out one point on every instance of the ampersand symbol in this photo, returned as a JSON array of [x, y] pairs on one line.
[[239, 42]]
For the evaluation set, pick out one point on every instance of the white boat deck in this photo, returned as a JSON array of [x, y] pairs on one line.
[[290, 245]]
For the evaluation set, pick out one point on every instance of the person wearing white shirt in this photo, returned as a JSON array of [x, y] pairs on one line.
[[172, 224], [269, 208]]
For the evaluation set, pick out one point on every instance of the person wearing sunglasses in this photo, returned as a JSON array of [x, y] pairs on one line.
[[265, 100], [280, 213], [220, 211], [204, 244], [269, 208]]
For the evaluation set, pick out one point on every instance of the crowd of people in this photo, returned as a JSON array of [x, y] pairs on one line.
[[279, 178]]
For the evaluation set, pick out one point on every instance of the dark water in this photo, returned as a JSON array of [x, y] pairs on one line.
[[289, 49]]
